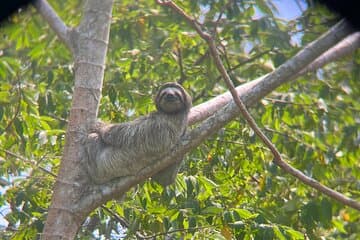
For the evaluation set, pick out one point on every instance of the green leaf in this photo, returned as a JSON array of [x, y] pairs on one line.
[[245, 214], [278, 234], [339, 225], [4, 97], [212, 210], [325, 212], [296, 235], [19, 127]]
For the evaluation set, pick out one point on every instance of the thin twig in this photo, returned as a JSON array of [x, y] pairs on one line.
[[285, 135], [202, 58], [178, 230], [274, 100], [217, 112], [17, 110], [180, 63], [209, 108], [242, 63], [122, 221], [250, 120], [63, 120], [31, 162]]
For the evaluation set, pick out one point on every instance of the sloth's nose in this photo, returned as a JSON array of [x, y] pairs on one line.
[[170, 97]]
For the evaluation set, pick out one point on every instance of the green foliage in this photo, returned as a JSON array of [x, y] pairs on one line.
[[229, 187]]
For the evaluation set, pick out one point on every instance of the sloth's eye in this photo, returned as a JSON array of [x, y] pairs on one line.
[[171, 95]]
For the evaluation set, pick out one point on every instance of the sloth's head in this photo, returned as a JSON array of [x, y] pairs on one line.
[[172, 98]]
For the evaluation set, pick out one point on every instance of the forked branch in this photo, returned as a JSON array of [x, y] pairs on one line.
[[48, 13]]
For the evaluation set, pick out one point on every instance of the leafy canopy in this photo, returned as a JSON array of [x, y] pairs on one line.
[[228, 188]]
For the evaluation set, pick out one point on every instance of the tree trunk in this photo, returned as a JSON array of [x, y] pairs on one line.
[[74, 195], [89, 45]]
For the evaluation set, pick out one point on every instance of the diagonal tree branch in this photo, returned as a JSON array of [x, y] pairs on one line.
[[250, 93], [347, 46], [48, 13], [269, 80]]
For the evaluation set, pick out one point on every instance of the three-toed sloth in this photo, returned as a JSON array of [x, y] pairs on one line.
[[115, 150]]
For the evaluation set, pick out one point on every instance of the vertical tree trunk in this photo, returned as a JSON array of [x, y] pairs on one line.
[[89, 45], [74, 196]]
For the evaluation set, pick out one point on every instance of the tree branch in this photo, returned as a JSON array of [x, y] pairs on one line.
[[89, 46], [343, 48], [33, 163], [347, 46], [18, 106], [122, 222], [217, 117], [48, 13], [270, 81]]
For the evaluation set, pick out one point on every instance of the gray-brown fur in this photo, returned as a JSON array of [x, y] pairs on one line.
[[118, 150]]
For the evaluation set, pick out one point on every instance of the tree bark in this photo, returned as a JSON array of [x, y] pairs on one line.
[[345, 47], [250, 94], [74, 195], [89, 44]]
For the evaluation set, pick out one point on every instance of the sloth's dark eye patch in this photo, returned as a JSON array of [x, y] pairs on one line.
[[171, 95]]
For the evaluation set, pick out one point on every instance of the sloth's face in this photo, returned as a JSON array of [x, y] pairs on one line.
[[171, 100]]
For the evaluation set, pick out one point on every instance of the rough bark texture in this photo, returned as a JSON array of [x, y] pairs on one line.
[[250, 93], [343, 48], [74, 195], [89, 45]]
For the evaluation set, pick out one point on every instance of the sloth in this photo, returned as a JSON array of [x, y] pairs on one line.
[[123, 149]]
